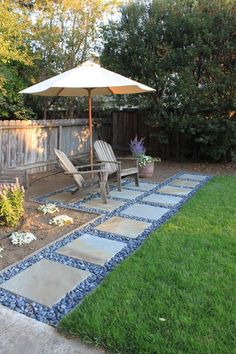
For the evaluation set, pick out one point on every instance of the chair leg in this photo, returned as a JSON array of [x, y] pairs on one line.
[[103, 191], [137, 180], [107, 188], [75, 191], [118, 181]]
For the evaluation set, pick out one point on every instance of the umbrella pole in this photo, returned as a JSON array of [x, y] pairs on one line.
[[90, 127]]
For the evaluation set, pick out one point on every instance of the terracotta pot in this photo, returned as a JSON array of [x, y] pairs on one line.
[[147, 170]]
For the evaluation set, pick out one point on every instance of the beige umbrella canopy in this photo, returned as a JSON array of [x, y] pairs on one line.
[[88, 79]]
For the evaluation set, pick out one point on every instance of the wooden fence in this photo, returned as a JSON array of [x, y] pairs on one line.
[[126, 126], [25, 143]]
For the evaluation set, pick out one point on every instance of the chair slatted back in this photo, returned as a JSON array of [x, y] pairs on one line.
[[67, 166], [105, 152]]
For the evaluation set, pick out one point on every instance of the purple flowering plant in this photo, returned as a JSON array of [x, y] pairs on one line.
[[138, 151], [137, 147]]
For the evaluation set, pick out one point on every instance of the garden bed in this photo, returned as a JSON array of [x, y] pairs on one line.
[[37, 223]]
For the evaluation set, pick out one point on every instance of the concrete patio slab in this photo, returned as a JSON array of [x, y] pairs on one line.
[[174, 190], [8, 318], [45, 282], [142, 186], [145, 211], [96, 203], [184, 183], [23, 335], [125, 194], [92, 249], [162, 199], [193, 177], [123, 227]]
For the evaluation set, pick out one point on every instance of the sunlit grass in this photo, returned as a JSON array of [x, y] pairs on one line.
[[184, 273]]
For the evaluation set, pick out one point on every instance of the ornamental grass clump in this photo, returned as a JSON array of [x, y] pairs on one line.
[[22, 238], [11, 203], [61, 220]]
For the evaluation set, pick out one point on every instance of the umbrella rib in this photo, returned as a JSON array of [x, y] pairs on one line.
[[110, 90], [60, 91]]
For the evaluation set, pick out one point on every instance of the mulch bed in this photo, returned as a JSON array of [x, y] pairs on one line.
[[37, 223]]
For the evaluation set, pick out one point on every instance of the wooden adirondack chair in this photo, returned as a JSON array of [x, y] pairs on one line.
[[97, 176], [106, 155]]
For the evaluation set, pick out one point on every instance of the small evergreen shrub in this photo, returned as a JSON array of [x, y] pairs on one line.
[[11, 203]]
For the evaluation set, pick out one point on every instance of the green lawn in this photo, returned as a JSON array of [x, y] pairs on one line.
[[184, 273]]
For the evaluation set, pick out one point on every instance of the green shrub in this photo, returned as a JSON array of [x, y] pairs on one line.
[[11, 203]]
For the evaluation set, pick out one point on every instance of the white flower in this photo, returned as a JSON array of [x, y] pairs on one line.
[[1, 250], [162, 319], [21, 238], [61, 220], [145, 159], [48, 208]]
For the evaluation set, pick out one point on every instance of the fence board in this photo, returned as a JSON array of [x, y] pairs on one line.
[[24, 143]]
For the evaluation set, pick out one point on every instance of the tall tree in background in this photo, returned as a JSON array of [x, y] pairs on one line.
[[65, 35], [42, 38], [15, 58], [186, 50]]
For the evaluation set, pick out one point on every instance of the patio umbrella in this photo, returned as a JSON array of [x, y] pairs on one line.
[[88, 79]]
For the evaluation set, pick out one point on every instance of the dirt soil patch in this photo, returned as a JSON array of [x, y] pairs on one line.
[[37, 223]]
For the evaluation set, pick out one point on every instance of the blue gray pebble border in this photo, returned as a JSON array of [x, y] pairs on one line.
[[55, 313]]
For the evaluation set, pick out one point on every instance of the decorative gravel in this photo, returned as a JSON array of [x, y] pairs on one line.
[[54, 314]]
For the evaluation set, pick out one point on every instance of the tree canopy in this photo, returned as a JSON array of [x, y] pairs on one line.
[[39, 39], [186, 50]]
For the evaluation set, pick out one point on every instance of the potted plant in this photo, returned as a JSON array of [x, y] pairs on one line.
[[145, 162]]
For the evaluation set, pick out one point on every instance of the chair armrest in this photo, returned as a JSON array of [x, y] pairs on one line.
[[94, 164], [133, 159], [115, 162], [127, 158], [84, 172]]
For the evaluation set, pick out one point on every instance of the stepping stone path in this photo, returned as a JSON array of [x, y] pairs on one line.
[[145, 211], [162, 199], [174, 190], [184, 183], [123, 227], [52, 282], [96, 203], [92, 249], [45, 281]]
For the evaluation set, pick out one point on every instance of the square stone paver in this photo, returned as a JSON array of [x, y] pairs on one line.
[[145, 211], [123, 227], [184, 183], [142, 186], [45, 282], [125, 194], [174, 190], [92, 249], [162, 199], [193, 177], [63, 197], [96, 203]]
